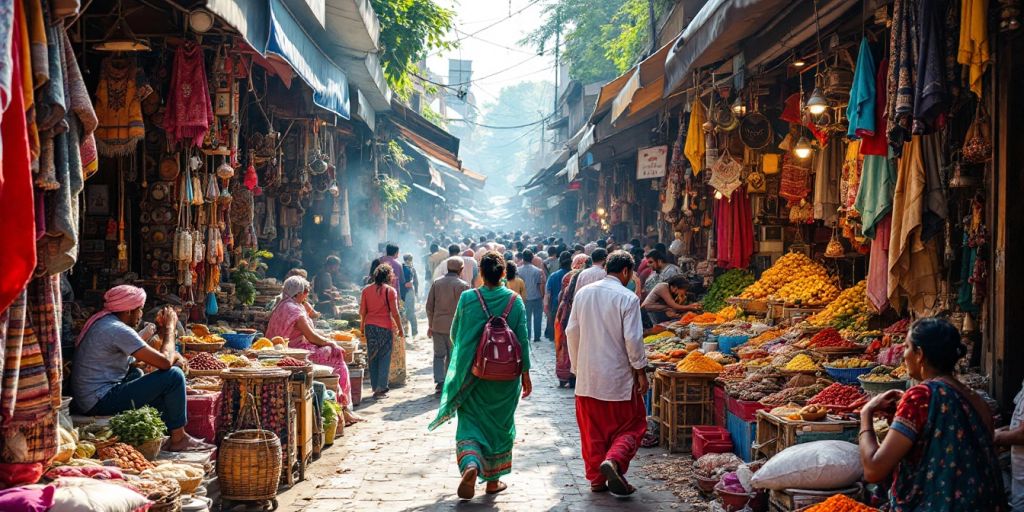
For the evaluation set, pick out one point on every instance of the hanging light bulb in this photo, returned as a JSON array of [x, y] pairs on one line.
[[817, 103], [802, 150], [799, 62], [601, 211], [738, 107]]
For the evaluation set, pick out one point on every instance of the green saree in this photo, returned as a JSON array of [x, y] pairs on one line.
[[485, 409]]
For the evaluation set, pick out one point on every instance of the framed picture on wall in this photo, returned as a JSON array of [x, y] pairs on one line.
[[97, 200]]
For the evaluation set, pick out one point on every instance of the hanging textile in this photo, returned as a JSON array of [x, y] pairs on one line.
[[189, 112], [24, 48], [734, 231], [36, 28], [51, 107], [930, 94], [900, 83], [973, 51], [852, 168], [118, 108], [81, 106], [694, 147], [58, 249], [828, 168], [878, 143], [935, 205], [875, 195], [861, 110], [7, 44], [795, 179], [17, 208], [878, 265], [31, 374], [913, 264]]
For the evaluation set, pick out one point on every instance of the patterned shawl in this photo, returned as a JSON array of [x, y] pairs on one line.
[[118, 109], [189, 113]]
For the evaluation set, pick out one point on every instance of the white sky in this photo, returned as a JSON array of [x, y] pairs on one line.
[[495, 50]]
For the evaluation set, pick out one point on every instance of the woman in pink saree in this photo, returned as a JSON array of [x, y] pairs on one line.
[[562, 363], [290, 319]]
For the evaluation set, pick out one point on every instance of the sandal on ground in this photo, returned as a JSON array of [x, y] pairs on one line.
[[616, 483], [629, 492], [501, 487], [467, 487], [598, 487]]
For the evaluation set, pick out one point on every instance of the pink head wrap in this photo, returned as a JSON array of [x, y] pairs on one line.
[[579, 261], [120, 298]]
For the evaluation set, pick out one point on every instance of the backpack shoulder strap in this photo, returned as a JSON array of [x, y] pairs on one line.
[[508, 307], [483, 303]]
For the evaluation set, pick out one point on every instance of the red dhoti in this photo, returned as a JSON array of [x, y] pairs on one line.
[[609, 431]]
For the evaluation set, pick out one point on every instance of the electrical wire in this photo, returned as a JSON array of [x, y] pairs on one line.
[[499, 45], [494, 24], [527, 125]]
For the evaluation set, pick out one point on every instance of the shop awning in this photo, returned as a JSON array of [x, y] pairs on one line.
[[476, 179], [645, 85], [270, 28], [435, 166], [416, 187], [608, 93], [714, 34]]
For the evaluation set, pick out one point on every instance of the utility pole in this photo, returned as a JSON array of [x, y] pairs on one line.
[[653, 23]]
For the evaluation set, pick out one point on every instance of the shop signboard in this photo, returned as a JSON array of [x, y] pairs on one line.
[[651, 162]]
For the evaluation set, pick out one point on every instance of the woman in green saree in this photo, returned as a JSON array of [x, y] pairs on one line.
[[485, 409]]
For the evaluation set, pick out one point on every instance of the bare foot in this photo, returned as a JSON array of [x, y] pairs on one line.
[[188, 444]]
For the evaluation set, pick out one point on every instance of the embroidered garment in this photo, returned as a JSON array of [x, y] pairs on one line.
[[795, 178], [189, 112], [118, 108], [903, 62]]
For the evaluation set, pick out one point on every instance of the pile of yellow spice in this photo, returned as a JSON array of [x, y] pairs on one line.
[[802, 362], [695, 362]]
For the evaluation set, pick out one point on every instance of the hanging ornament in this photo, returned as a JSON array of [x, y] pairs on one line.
[[251, 180]]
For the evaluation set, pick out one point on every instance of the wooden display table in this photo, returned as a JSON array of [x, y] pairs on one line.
[[775, 434], [685, 402]]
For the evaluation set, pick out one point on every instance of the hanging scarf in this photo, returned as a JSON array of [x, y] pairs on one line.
[[17, 208], [795, 178], [734, 231], [930, 90], [51, 107], [38, 38], [902, 64], [28, 85], [973, 51], [694, 147], [118, 109], [189, 113], [58, 250]]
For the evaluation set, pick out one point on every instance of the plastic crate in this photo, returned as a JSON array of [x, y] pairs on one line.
[[710, 440], [746, 410], [718, 405], [743, 434]]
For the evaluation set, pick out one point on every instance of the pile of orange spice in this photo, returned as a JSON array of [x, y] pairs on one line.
[[841, 503], [695, 362]]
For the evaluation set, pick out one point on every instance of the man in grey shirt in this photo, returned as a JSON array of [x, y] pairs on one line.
[[533, 277], [103, 382], [442, 300]]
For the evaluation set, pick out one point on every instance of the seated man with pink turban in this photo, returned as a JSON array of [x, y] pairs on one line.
[[103, 381]]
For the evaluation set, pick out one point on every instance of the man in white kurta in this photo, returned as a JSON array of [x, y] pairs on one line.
[[606, 348]]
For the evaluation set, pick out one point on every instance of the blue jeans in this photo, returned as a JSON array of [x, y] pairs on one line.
[[379, 343], [534, 318], [163, 389]]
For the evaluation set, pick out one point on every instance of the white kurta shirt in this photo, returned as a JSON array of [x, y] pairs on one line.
[[591, 275], [606, 340]]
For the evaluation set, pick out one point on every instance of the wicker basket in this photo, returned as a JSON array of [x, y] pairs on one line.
[[877, 388], [249, 465], [202, 347]]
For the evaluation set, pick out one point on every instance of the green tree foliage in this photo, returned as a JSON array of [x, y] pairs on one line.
[[602, 38], [409, 30], [504, 155]]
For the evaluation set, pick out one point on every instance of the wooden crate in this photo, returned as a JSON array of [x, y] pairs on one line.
[[775, 434], [685, 401], [791, 500]]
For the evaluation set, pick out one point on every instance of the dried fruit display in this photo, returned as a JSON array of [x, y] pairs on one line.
[[125, 457]]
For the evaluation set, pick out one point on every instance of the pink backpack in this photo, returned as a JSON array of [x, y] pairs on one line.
[[498, 355]]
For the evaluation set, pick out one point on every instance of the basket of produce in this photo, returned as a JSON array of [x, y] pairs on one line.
[[188, 476], [141, 428], [848, 369], [876, 384], [125, 457], [249, 465], [801, 364], [205, 364], [839, 398], [209, 343]]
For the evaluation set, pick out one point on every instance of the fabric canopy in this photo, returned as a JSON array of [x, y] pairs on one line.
[[416, 187], [714, 34], [270, 28]]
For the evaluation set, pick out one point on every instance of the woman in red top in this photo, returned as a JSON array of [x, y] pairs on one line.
[[378, 312], [939, 448]]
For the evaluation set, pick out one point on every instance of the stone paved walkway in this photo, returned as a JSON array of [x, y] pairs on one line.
[[392, 463]]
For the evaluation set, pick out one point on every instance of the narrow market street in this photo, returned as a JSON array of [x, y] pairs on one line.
[[392, 463]]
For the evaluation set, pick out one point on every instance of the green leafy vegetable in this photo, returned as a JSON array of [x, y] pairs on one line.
[[729, 284], [138, 426], [331, 412]]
